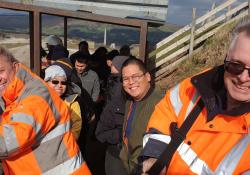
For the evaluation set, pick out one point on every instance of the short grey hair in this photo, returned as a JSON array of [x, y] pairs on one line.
[[242, 27], [5, 53]]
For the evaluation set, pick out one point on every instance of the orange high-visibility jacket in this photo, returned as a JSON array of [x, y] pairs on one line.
[[218, 146], [35, 135]]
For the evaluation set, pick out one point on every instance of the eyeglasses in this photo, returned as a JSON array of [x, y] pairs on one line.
[[235, 68], [56, 82], [135, 78]]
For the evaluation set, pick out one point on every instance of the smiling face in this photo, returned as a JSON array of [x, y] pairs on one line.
[[7, 73], [238, 86], [59, 83], [135, 82]]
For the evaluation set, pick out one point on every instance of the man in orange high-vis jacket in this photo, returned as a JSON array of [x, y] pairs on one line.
[[219, 140], [35, 135]]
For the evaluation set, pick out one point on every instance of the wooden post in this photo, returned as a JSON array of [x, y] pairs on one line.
[[35, 41], [228, 9], [65, 37], [191, 46], [212, 8], [143, 41]]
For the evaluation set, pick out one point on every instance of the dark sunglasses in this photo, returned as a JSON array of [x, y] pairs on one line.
[[235, 68], [56, 82]]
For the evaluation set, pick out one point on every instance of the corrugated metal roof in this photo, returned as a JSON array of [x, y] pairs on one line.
[[152, 10]]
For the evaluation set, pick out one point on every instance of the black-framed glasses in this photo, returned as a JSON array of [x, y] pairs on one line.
[[135, 78], [235, 68], [56, 82]]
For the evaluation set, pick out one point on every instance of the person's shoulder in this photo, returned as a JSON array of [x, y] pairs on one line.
[[157, 93], [92, 72]]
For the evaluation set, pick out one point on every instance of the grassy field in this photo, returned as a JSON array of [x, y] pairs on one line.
[[211, 54]]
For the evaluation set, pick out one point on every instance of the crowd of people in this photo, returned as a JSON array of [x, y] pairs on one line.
[[101, 113]]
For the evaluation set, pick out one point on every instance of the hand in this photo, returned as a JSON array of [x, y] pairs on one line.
[[147, 164]]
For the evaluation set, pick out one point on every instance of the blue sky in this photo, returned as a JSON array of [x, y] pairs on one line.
[[180, 11]]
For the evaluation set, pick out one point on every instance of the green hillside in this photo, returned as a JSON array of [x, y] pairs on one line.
[[211, 54], [81, 29]]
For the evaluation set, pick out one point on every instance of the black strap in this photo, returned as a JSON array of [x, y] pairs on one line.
[[1, 110], [177, 137]]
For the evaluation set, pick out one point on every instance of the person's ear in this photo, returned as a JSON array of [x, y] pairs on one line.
[[15, 66], [148, 76]]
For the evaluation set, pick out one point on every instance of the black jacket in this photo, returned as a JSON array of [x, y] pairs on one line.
[[109, 127]]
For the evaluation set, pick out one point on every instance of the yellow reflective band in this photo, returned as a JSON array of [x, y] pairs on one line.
[[66, 64]]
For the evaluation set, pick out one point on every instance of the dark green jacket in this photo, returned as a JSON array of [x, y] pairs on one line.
[[144, 109]]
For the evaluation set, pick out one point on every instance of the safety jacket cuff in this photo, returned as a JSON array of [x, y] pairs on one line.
[[153, 148]]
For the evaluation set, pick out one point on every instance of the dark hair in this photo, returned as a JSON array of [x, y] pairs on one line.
[[100, 50], [82, 56], [82, 60], [137, 62], [112, 54], [83, 43], [125, 50]]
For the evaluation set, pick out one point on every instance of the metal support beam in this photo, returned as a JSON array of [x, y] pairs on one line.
[[65, 32], [35, 41], [143, 41]]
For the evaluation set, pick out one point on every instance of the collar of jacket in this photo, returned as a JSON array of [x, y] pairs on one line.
[[114, 77], [210, 85], [84, 73], [73, 91], [14, 88]]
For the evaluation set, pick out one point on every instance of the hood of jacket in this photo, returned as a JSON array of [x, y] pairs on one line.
[[23, 77], [72, 92]]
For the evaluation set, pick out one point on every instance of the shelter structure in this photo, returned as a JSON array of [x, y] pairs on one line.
[[35, 14]]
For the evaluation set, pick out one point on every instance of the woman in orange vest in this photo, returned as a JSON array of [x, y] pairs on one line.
[[35, 125]]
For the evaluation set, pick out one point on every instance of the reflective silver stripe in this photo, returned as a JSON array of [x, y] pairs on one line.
[[175, 99], [3, 149], [2, 105], [227, 165], [57, 131], [191, 103], [160, 137], [195, 164], [27, 119], [231, 160], [67, 167], [9, 136], [34, 86], [52, 153], [246, 173]]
